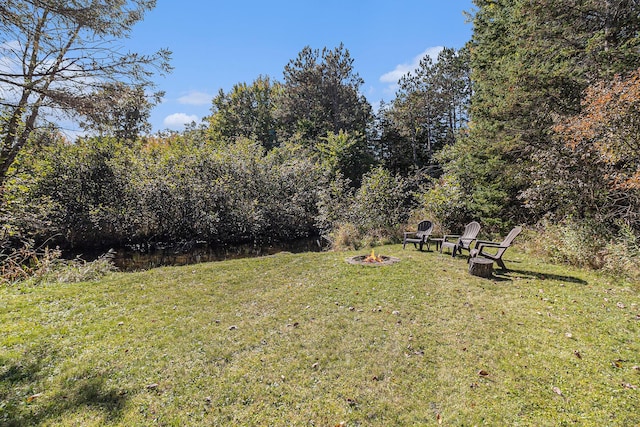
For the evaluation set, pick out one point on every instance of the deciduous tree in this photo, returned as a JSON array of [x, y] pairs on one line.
[[247, 111], [56, 55]]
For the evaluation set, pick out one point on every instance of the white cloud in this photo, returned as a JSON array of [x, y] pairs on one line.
[[392, 77], [195, 98], [177, 121]]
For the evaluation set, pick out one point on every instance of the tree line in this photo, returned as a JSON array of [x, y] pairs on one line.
[[534, 121]]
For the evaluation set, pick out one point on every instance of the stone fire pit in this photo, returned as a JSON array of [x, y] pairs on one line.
[[372, 260]]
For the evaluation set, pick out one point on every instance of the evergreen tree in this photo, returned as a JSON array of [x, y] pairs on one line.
[[320, 95], [429, 110], [531, 61]]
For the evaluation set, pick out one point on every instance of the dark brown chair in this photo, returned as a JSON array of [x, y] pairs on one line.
[[420, 237], [500, 248], [459, 242]]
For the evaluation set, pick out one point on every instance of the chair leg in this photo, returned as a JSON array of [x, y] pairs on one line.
[[501, 263]]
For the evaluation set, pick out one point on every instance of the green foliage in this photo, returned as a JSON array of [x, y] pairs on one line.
[[67, 61], [622, 257], [531, 62], [320, 95], [346, 154], [175, 189], [247, 111], [589, 244], [373, 215], [22, 262], [380, 202], [579, 243], [335, 197], [120, 111], [429, 111], [444, 203]]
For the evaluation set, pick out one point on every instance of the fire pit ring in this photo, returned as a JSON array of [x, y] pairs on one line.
[[372, 260]]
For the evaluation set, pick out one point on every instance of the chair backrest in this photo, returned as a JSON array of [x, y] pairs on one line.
[[469, 235], [471, 230], [424, 228], [507, 241], [512, 235]]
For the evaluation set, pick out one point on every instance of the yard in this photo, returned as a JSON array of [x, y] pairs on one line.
[[310, 340]]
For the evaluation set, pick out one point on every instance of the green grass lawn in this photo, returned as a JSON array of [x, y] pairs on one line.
[[310, 340]]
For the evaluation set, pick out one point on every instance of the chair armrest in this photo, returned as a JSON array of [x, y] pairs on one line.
[[486, 242], [490, 245], [465, 242], [408, 233], [451, 236]]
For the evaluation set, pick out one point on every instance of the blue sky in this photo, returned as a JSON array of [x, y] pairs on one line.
[[217, 44]]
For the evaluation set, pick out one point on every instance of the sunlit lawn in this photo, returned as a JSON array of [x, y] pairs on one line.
[[307, 339]]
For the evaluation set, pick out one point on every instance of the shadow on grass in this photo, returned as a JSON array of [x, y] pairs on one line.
[[25, 403], [510, 275]]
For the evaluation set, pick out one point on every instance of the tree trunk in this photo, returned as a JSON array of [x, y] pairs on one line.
[[481, 267]]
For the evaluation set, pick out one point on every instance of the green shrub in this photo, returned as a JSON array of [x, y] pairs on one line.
[[174, 189], [588, 244], [622, 255], [372, 215], [444, 204]]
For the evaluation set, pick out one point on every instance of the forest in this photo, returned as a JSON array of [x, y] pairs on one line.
[[535, 122]]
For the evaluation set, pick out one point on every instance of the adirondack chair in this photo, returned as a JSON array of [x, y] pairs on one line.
[[420, 237], [459, 242], [500, 248]]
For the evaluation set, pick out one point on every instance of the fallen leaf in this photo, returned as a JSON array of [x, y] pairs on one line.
[[620, 305], [152, 386], [439, 418], [577, 354], [33, 397], [557, 391], [233, 327], [630, 386], [618, 363], [483, 373]]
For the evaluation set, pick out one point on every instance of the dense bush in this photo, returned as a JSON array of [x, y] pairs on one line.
[[444, 204], [588, 244], [104, 192], [372, 214]]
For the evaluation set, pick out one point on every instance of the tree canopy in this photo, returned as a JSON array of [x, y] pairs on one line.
[[57, 56]]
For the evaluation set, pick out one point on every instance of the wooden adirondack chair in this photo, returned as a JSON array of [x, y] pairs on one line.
[[420, 237], [459, 242], [500, 248]]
